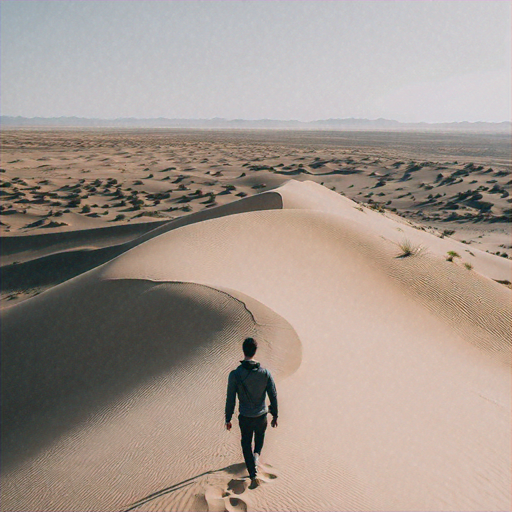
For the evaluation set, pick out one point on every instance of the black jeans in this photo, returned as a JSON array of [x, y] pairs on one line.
[[249, 427]]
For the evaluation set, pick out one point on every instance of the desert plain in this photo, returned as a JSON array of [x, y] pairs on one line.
[[374, 269]]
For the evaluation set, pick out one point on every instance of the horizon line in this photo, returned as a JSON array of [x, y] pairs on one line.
[[240, 119]]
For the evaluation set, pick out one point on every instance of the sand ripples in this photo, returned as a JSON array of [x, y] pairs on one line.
[[114, 390], [164, 344]]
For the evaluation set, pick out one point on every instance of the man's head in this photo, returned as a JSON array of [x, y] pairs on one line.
[[250, 346]]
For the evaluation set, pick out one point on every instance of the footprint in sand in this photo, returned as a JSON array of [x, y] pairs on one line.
[[235, 496], [238, 486], [266, 472], [266, 477], [220, 500]]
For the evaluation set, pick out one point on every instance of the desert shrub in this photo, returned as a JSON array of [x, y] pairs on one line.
[[211, 198], [468, 266], [483, 206], [451, 255], [121, 216], [409, 249]]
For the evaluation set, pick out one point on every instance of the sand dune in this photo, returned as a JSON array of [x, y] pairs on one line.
[[393, 370], [74, 194], [40, 261]]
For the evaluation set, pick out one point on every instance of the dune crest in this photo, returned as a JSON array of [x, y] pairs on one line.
[[393, 371]]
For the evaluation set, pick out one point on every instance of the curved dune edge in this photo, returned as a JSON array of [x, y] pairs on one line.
[[405, 380], [308, 195], [167, 348], [73, 253], [58, 257], [390, 407], [229, 252], [311, 196], [270, 200]]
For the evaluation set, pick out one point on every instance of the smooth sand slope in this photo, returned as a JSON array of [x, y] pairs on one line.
[[393, 370], [74, 199]]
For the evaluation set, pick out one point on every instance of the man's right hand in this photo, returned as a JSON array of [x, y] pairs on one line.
[[274, 422]]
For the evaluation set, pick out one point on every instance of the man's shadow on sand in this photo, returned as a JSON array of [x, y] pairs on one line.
[[233, 469]]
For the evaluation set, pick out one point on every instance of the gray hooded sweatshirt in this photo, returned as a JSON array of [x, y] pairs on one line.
[[251, 383]]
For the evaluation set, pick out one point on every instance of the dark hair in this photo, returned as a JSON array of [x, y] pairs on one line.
[[250, 346]]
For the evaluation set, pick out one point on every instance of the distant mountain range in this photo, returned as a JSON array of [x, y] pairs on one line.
[[220, 123]]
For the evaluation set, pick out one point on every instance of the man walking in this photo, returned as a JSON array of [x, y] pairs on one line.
[[251, 382]]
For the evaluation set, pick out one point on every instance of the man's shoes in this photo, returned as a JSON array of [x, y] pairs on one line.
[[255, 482]]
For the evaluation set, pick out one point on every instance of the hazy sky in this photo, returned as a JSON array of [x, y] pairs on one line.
[[433, 61]]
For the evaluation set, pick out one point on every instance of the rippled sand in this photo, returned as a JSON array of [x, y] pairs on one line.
[[392, 363]]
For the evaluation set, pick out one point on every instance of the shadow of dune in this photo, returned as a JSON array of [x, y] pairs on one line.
[[268, 200], [75, 350], [62, 256], [55, 268], [50, 243]]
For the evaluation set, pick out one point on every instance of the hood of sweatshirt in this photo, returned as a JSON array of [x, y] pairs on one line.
[[250, 365]]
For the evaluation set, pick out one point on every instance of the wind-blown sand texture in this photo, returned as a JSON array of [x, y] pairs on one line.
[[60, 186], [391, 357]]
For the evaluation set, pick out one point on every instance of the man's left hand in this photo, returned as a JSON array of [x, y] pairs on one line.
[[228, 425]]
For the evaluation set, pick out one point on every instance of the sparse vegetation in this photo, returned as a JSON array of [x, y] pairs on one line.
[[211, 198], [451, 255], [448, 232], [469, 266], [409, 249]]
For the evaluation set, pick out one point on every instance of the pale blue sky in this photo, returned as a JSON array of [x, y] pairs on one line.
[[434, 61]]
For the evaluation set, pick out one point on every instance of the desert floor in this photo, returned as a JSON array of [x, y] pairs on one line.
[[455, 185], [373, 268]]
